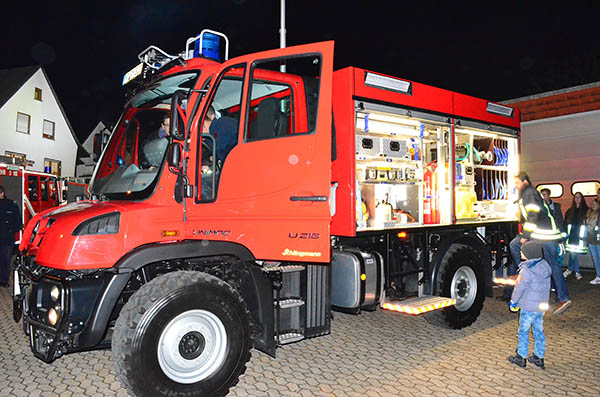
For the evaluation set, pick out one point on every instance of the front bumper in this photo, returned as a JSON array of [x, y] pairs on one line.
[[74, 298]]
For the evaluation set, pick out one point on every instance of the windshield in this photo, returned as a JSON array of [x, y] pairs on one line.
[[131, 163]]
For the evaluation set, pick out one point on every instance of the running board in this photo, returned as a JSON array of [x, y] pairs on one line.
[[505, 280], [416, 306]]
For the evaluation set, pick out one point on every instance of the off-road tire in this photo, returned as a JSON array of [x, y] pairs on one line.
[[150, 311], [461, 258]]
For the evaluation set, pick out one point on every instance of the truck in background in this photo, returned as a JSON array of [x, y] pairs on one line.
[[280, 189], [33, 191]]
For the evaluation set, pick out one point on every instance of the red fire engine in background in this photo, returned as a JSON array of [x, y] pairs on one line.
[[281, 190], [33, 191]]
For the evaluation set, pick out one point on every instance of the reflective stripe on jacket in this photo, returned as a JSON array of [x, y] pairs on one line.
[[537, 221]]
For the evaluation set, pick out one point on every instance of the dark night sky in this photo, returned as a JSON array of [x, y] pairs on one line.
[[495, 50]]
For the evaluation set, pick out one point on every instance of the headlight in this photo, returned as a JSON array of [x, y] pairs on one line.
[[54, 293], [52, 316], [103, 224]]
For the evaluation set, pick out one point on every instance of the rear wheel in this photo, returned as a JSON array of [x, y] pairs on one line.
[[183, 333], [462, 279]]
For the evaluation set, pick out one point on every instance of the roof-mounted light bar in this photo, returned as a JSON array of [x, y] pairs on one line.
[[388, 83], [500, 109], [189, 52]]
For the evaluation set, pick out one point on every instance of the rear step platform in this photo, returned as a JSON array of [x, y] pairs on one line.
[[505, 280], [416, 306]]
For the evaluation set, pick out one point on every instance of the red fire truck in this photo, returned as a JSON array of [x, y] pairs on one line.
[[279, 190], [33, 191]]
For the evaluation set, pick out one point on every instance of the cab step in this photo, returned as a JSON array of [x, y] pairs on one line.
[[290, 303], [290, 337], [416, 306]]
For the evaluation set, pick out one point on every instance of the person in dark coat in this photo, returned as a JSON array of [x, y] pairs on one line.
[[10, 223], [576, 234], [555, 209], [538, 225]]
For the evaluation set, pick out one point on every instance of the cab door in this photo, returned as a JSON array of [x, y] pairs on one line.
[[272, 180]]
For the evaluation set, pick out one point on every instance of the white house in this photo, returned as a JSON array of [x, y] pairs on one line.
[[86, 169], [33, 124]]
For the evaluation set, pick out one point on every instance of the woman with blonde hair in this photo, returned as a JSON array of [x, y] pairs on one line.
[[592, 222]]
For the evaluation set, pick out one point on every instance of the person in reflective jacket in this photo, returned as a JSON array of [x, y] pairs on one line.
[[576, 233], [538, 224]]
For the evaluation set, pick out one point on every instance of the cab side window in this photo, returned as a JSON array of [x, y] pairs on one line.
[[284, 96], [220, 127], [32, 184]]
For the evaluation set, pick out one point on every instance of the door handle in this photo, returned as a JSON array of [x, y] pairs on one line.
[[308, 198]]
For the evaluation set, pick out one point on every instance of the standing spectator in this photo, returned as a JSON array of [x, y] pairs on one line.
[[576, 231], [555, 209], [10, 223], [538, 224], [592, 221], [530, 296]]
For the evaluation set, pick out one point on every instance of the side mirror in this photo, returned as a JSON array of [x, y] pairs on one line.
[[178, 102], [174, 155]]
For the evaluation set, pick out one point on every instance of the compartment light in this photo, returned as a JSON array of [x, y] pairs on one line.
[[475, 132], [390, 118], [382, 127], [505, 111], [387, 83]]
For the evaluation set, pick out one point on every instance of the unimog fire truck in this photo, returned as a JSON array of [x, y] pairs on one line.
[[237, 203]]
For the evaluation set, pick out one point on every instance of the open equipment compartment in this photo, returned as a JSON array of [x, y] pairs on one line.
[[485, 163], [401, 168]]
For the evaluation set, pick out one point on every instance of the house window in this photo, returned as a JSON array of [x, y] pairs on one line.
[[48, 129], [20, 157], [52, 166], [23, 122], [37, 94]]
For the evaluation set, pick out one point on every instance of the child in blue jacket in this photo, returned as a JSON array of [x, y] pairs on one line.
[[531, 296]]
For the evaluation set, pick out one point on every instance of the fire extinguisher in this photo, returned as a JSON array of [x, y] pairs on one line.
[[430, 206]]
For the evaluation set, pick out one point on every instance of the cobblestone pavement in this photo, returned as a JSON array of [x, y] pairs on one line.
[[373, 354]]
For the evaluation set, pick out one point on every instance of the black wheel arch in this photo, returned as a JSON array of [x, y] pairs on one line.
[[469, 239], [254, 287]]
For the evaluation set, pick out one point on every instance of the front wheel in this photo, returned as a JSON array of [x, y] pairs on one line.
[[462, 279], [183, 333]]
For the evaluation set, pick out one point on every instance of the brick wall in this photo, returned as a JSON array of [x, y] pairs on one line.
[[576, 101]]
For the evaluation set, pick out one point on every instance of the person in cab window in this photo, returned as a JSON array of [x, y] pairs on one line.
[[576, 234], [592, 222], [165, 125], [210, 116]]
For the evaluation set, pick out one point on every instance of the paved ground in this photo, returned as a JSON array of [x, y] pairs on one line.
[[374, 354]]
